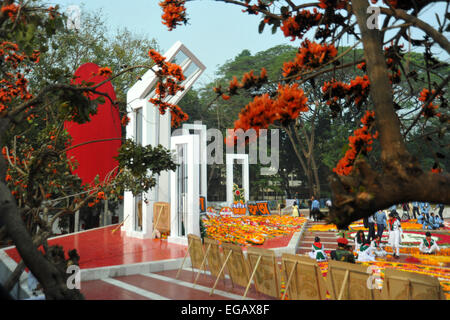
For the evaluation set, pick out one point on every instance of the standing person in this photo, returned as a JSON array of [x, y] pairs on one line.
[[415, 209], [405, 207], [342, 253], [371, 234], [441, 207], [295, 209], [310, 207], [380, 219], [359, 240], [315, 208], [425, 208], [317, 251], [395, 234], [393, 209], [428, 245]]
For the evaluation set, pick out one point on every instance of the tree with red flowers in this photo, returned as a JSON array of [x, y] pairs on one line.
[[359, 189], [36, 181]]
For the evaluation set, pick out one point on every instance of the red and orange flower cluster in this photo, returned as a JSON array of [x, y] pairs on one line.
[[360, 143], [310, 55], [14, 86], [174, 13], [255, 8], [104, 72], [248, 81], [100, 196], [333, 4], [356, 92], [169, 75], [297, 26], [428, 109], [398, 4], [263, 110], [11, 11]]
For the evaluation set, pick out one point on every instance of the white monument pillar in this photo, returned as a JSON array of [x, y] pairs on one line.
[[200, 129], [184, 208], [242, 159], [149, 127]]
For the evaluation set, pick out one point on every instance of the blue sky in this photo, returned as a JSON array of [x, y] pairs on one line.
[[216, 31]]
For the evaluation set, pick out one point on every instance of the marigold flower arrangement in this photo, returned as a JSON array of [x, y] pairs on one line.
[[247, 230]]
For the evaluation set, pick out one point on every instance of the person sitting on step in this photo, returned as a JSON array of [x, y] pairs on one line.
[[366, 253], [428, 245], [378, 247], [342, 253], [359, 240], [318, 252]]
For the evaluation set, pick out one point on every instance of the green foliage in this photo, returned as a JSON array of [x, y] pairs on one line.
[[140, 164]]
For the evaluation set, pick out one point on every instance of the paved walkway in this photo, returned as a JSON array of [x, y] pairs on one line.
[[165, 286]]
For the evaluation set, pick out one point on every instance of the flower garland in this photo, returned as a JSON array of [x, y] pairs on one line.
[[248, 230], [358, 225]]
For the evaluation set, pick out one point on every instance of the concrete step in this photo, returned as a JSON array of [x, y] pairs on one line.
[[165, 285]]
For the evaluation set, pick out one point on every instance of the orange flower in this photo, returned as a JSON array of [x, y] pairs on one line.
[[174, 13], [428, 110], [310, 55], [290, 102], [297, 26], [106, 72], [101, 195], [359, 143], [333, 4], [125, 120], [11, 11], [156, 56]]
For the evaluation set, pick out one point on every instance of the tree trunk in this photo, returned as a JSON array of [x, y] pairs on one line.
[[48, 275], [402, 179], [391, 140], [315, 171]]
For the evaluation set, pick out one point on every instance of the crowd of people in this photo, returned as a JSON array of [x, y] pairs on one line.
[[368, 248]]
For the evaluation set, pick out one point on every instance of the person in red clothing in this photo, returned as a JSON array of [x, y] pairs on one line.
[[317, 251], [342, 253]]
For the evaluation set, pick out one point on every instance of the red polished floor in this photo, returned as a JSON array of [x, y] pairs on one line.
[[101, 247], [100, 290], [166, 285]]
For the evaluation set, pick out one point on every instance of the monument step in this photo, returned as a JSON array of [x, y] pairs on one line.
[[166, 286]]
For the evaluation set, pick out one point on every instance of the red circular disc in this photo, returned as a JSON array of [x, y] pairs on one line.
[[96, 158]]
